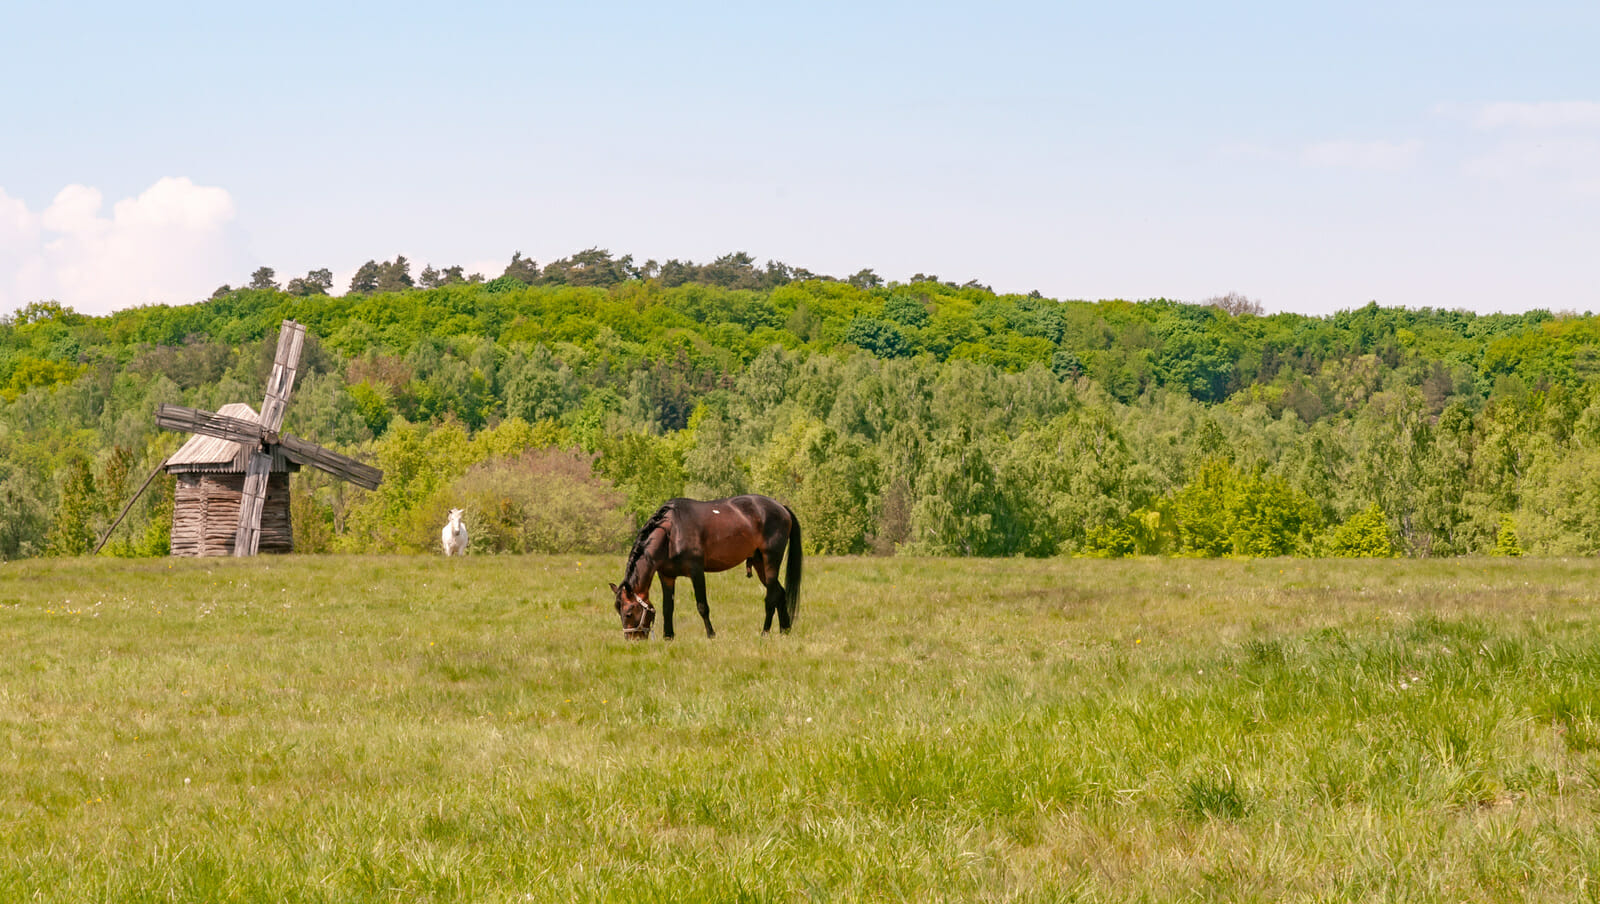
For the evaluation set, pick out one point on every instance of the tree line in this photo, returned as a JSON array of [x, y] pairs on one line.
[[591, 267], [561, 403]]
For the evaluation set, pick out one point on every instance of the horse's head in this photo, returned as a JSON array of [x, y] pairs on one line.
[[455, 515], [636, 612]]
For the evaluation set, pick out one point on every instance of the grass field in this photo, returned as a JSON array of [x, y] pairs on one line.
[[422, 729]]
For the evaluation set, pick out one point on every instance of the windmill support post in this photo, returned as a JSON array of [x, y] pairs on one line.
[[124, 513]]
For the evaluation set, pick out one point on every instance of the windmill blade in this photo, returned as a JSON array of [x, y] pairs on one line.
[[291, 339], [247, 540], [209, 423], [341, 466]]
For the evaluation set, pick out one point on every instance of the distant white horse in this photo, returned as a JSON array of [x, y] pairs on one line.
[[454, 535]]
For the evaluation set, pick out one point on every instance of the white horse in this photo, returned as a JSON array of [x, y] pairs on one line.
[[454, 535]]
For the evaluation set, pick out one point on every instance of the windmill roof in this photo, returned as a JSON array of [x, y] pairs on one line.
[[208, 453]]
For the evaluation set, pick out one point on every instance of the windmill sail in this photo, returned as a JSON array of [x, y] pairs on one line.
[[291, 339], [207, 423], [247, 540], [298, 450]]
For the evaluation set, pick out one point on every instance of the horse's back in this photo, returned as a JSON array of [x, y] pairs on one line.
[[729, 531]]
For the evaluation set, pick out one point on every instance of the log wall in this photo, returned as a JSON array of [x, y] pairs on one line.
[[205, 514]]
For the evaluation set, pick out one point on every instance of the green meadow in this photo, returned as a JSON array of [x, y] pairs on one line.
[[332, 729]]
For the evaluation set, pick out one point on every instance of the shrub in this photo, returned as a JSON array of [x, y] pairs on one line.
[[1224, 511], [1365, 534], [547, 501], [1506, 542]]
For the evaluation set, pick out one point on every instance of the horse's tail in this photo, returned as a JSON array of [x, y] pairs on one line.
[[791, 577]]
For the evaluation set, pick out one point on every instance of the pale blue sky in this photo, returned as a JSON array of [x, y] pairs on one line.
[[1313, 157]]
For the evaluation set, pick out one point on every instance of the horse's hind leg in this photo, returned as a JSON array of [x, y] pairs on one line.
[[699, 579], [777, 599], [777, 602]]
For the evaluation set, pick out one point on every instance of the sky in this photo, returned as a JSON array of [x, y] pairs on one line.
[[1310, 156]]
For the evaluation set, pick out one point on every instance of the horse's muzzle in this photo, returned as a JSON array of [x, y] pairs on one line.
[[641, 628]]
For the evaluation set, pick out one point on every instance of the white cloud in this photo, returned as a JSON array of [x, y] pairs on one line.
[[1543, 115], [1541, 148], [75, 209], [1249, 152], [1572, 163], [172, 243], [1366, 155]]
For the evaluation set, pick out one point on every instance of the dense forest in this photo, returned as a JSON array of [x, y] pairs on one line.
[[560, 404]]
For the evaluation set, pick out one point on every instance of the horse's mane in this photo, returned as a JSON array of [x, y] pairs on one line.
[[656, 520]]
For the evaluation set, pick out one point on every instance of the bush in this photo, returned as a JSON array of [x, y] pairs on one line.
[[24, 522], [1224, 511], [1506, 542], [545, 501], [884, 340], [1365, 534]]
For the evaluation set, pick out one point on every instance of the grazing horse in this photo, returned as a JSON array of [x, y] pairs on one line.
[[686, 537], [454, 535]]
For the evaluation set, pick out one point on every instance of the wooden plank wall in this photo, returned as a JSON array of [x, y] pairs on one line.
[[205, 514]]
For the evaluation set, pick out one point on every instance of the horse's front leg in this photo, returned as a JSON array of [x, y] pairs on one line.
[[666, 606], [699, 579]]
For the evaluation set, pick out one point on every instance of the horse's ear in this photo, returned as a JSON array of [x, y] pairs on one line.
[[614, 590]]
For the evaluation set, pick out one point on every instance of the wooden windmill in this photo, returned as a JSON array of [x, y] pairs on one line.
[[237, 440]]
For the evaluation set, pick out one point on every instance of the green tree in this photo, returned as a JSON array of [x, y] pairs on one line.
[[906, 310], [1227, 512], [371, 405], [455, 275], [712, 467], [521, 269], [365, 280], [539, 387], [647, 469], [395, 275], [592, 267], [72, 533], [1192, 359], [1505, 540], [417, 461], [1067, 479], [316, 282], [866, 279], [828, 477], [1560, 494], [1365, 534], [263, 278], [959, 499], [884, 340], [24, 526]]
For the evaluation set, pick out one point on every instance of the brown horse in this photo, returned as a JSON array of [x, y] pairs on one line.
[[686, 537]]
